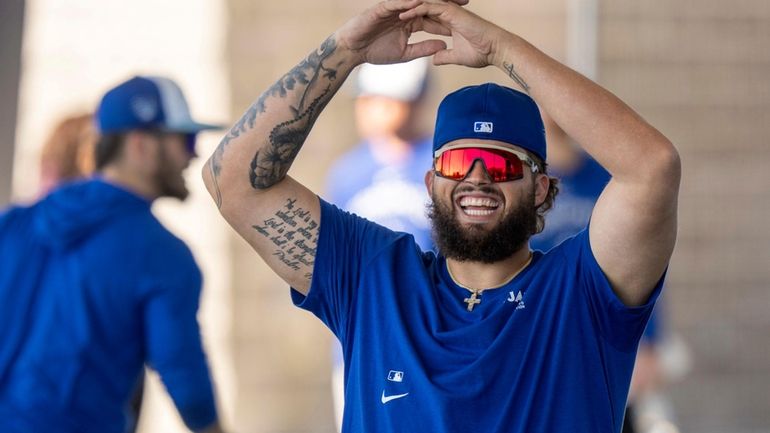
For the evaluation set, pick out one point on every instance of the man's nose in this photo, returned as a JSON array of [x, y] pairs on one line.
[[478, 174]]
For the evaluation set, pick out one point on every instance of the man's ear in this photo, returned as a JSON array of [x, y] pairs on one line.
[[139, 149], [542, 185], [429, 176]]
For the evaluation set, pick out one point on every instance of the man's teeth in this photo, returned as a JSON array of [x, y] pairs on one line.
[[478, 212], [477, 206], [478, 202]]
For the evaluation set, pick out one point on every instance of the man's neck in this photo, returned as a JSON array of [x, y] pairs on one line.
[[480, 276]]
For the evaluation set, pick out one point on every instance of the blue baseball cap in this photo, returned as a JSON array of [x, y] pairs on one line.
[[490, 112], [147, 103]]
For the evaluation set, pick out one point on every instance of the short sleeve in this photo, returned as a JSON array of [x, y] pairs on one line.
[[622, 326], [346, 244]]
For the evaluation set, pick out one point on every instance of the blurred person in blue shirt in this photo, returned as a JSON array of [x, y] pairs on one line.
[[581, 181], [93, 286], [381, 178]]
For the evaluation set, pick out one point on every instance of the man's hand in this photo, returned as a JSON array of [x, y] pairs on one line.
[[474, 40], [380, 35]]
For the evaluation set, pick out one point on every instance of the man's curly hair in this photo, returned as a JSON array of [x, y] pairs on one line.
[[553, 191]]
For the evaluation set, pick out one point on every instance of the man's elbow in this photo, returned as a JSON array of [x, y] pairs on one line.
[[668, 163], [210, 181], [659, 163]]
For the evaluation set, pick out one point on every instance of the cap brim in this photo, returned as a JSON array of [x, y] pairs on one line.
[[194, 128], [464, 145]]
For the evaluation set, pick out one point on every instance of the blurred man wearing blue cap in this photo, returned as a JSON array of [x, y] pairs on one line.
[[94, 287], [487, 335]]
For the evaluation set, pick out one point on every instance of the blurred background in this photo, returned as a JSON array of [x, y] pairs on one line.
[[699, 70]]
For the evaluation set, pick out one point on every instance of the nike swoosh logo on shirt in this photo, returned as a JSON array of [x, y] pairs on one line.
[[388, 398]]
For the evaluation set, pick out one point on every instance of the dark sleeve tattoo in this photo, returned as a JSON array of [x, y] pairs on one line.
[[294, 233], [215, 168], [271, 163], [516, 77]]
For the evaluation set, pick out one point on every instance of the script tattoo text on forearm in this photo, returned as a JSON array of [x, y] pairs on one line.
[[294, 232]]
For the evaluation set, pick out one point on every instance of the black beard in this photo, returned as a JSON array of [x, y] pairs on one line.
[[476, 244], [170, 185]]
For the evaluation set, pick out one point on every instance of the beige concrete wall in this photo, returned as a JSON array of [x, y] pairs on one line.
[[282, 354], [700, 71]]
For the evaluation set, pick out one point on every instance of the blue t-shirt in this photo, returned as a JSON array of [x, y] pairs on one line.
[[550, 351], [393, 195]]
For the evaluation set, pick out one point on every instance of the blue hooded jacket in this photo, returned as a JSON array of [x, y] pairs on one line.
[[92, 286]]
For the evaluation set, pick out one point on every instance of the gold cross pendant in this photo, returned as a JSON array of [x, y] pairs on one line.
[[473, 300]]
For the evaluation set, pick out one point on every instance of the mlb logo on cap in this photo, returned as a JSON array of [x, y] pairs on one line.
[[483, 127]]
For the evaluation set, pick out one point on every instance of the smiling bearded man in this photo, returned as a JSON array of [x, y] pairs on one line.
[[478, 159], [487, 335]]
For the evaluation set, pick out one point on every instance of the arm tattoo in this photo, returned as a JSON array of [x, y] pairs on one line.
[[511, 73], [294, 233], [244, 124], [284, 142], [271, 163], [215, 168]]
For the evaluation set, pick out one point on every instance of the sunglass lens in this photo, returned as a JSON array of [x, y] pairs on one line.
[[500, 165]]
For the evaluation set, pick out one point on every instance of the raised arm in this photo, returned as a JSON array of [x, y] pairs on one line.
[[633, 226], [247, 174]]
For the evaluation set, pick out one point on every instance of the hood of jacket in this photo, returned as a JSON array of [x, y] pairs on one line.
[[71, 212]]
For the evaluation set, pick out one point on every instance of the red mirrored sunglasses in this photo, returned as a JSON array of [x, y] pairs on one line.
[[501, 163]]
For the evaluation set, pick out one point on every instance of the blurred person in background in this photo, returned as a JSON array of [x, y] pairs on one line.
[[67, 156], [487, 335], [648, 381], [93, 287], [68, 153], [662, 359], [581, 181], [381, 178]]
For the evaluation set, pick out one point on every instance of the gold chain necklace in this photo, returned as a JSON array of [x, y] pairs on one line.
[[475, 297]]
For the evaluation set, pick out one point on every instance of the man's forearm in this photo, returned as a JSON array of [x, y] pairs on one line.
[[604, 125], [259, 149]]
